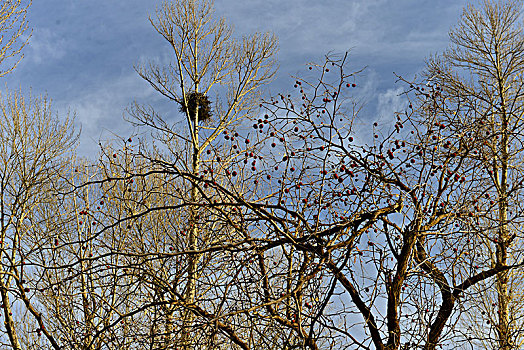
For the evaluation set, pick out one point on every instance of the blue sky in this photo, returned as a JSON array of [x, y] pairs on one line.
[[82, 52]]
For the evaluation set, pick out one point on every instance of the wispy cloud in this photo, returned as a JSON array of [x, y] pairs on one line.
[[390, 102], [100, 111], [82, 52], [46, 46]]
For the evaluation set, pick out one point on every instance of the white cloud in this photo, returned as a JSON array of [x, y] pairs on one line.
[[45, 46], [100, 110], [91, 46], [390, 102]]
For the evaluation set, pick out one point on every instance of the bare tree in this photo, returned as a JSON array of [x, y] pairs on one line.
[[282, 223], [124, 275], [208, 62], [312, 240], [34, 145], [13, 27], [101, 287], [338, 204], [481, 74]]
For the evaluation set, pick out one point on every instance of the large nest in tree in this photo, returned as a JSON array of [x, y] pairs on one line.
[[197, 100]]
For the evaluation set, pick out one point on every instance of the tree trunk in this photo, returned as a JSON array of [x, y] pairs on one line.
[[192, 239]]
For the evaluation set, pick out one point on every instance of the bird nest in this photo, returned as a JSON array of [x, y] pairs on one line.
[[196, 100]]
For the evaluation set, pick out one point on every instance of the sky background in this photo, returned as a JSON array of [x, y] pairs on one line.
[[81, 52]]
